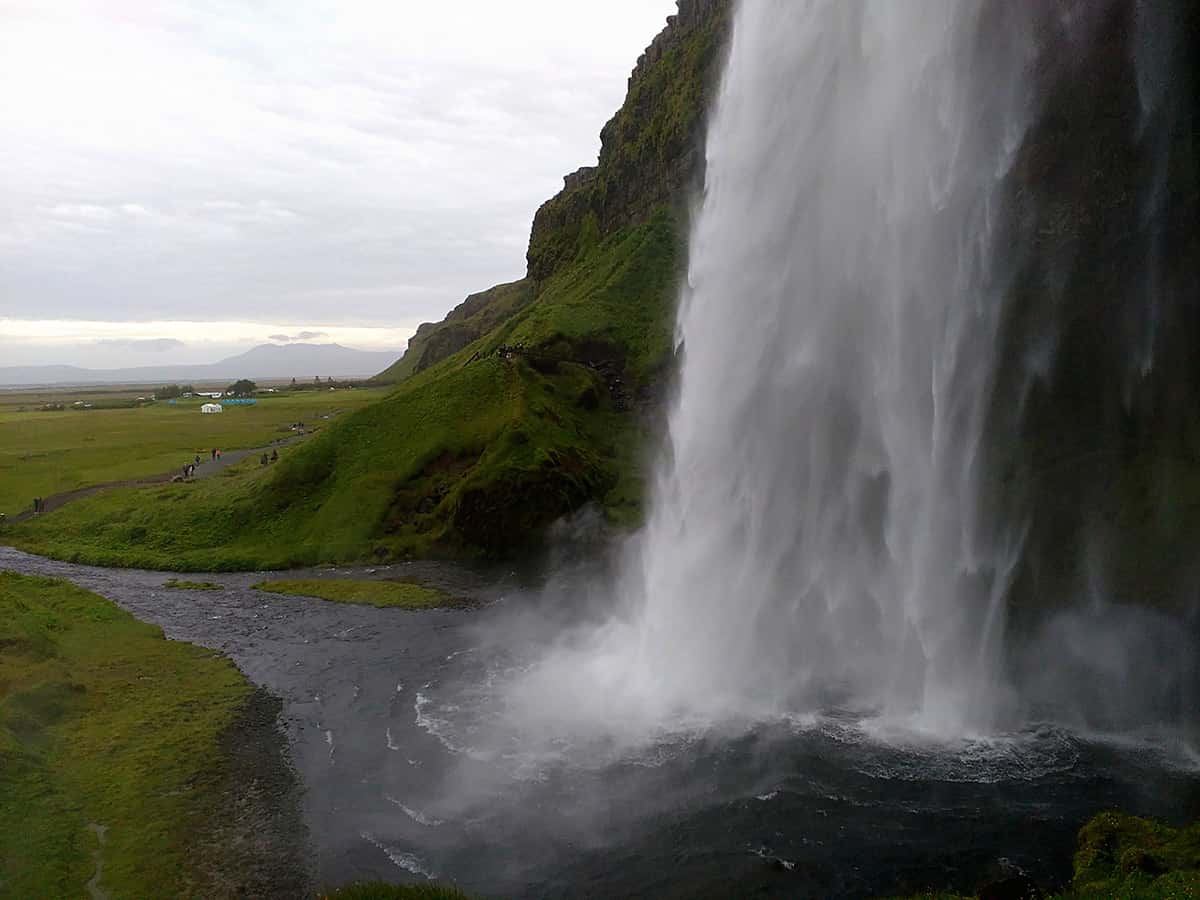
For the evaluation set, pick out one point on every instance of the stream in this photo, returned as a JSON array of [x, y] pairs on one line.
[[386, 715]]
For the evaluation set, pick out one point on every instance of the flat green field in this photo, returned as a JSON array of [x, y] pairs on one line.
[[108, 743], [45, 453]]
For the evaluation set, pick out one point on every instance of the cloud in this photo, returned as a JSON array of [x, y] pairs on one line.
[[302, 336], [317, 161], [144, 345]]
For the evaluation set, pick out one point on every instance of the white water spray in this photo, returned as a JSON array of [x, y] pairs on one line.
[[815, 538]]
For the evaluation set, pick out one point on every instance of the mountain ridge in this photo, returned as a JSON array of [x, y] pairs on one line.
[[262, 361]]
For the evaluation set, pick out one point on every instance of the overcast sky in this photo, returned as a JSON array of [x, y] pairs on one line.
[[347, 168]]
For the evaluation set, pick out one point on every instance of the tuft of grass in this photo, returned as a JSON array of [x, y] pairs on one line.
[[103, 723], [380, 594], [378, 890], [178, 584]]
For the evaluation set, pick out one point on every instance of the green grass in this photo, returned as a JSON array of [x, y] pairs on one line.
[[378, 890], [474, 456], [381, 594], [102, 722], [178, 584], [46, 453]]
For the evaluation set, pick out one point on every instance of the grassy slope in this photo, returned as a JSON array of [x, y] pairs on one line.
[[380, 594], [102, 721], [472, 456], [470, 320], [44, 453]]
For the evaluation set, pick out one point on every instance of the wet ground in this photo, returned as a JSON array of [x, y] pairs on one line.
[[385, 711]]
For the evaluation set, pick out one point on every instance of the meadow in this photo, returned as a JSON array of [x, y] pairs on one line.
[[109, 740], [49, 452]]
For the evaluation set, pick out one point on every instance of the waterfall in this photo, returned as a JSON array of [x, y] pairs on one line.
[[900, 406], [815, 536]]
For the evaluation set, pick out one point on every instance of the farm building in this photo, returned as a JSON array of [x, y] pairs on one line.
[[212, 408]]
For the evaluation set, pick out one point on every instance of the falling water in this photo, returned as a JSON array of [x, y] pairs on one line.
[[815, 540], [816, 536]]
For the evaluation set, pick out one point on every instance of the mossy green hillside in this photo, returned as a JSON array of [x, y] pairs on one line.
[[103, 723], [380, 594], [473, 456], [467, 322]]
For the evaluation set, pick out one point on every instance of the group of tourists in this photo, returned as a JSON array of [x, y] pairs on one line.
[[274, 457]]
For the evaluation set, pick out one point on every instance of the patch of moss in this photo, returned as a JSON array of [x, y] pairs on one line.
[[178, 584], [381, 594], [1129, 857]]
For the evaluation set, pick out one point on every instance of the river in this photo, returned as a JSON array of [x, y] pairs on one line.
[[386, 714]]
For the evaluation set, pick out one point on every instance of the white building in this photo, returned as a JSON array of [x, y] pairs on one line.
[[212, 408]]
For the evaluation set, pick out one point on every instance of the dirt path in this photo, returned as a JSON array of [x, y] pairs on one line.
[[206, 469]]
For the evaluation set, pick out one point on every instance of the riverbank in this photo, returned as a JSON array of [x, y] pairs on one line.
[[135, 766]]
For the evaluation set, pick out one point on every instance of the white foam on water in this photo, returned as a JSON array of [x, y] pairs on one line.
[[415, 814], [409, 862]]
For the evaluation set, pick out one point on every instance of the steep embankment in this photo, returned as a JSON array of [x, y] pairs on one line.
[[526, 403]]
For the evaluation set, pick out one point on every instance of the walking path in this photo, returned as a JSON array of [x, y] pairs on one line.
[[207, 468]]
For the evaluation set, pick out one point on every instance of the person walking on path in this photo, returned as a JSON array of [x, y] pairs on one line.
[[214, 455], [197, 459], [274, 456]]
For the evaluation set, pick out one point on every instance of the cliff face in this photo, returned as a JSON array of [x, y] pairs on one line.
[[651, 151], [651, 154], [467, 322], [1095, 421]]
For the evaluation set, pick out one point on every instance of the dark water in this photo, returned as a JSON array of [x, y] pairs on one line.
[[379, 712]]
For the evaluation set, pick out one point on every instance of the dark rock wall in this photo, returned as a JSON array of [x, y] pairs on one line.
[[1094, 432]]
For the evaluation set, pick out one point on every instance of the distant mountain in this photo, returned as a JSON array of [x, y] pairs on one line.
[[303, 361]]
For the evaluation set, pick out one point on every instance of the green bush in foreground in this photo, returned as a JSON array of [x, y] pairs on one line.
[[381, 594], [1122, 857], [108, 746], [378, 890]]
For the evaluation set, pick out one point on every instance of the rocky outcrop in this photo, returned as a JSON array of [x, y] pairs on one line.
[[651, 151], [463, 325], [651, 154]]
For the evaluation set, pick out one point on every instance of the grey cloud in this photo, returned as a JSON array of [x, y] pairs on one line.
[[246, 163], [145, 345]]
